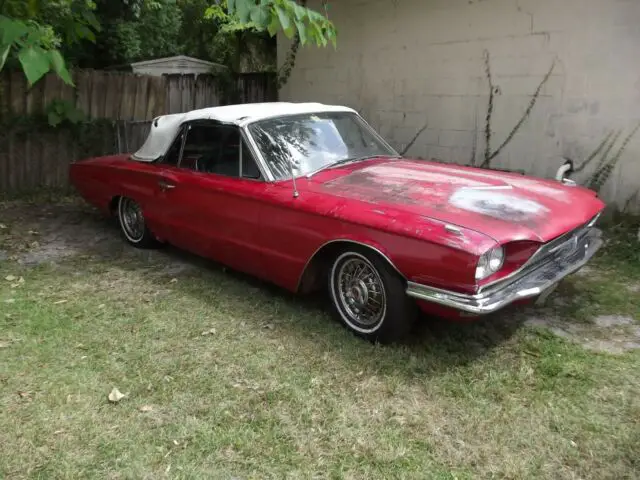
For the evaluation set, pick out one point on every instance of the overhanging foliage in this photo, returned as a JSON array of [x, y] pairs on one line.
[[286, 15]]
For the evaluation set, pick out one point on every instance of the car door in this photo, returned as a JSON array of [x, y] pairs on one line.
[[213, 197]]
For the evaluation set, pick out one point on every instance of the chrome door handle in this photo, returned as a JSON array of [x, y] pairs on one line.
[[165, 186]]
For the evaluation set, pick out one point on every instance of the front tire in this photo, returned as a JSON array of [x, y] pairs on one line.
[[133, 225], [369, 297]]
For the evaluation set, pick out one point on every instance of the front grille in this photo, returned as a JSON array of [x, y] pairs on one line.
[[560, 244], [559, 247]]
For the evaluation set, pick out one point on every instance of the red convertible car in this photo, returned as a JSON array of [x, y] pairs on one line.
[[308, 196]]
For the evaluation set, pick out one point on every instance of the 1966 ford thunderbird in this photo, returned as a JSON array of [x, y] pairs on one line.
[[307, 196]]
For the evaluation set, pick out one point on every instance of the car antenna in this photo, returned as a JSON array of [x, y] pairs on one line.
[[293, 177]]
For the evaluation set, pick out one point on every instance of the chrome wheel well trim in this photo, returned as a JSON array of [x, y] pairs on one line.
[[346, 241]]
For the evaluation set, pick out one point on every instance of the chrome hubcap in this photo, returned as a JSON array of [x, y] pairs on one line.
[[132, 219], [360, 292]]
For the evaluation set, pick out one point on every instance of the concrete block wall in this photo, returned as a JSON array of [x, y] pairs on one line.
[[407, 63]]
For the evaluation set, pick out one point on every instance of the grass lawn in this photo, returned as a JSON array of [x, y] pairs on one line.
[[226, 377]]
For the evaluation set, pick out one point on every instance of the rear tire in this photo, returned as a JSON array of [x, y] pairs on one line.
[[133, 225], [368, 296]]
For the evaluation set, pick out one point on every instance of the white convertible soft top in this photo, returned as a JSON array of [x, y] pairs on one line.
[[165, 128]]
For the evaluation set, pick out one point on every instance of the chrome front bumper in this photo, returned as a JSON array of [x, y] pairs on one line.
[[568, 258]]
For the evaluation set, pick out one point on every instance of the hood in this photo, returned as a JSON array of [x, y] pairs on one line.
[[504, 206]]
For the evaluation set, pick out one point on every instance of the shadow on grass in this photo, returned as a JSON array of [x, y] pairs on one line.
[[454, 343], [436, 343]]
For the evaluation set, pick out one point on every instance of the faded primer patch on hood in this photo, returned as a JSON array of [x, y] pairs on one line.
[[497, 204], [506, 207]]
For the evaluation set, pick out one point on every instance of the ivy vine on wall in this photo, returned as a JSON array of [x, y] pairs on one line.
[[489, 155], [605, 161]]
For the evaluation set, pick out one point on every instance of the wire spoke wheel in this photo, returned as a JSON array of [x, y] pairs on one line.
[[359, 292], [131, 220]]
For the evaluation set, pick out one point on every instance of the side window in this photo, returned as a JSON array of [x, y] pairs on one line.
[[213, 148], [249, 167], [173, 154]]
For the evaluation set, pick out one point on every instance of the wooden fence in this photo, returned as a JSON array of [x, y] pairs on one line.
[[125, 102]]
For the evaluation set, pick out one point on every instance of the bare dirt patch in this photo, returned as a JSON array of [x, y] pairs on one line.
[[634, 288], [45, 234], [614, 334]]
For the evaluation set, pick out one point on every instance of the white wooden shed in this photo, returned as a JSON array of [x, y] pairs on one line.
[[178, 64]]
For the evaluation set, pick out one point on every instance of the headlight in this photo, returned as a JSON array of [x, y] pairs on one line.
[[490, 263]]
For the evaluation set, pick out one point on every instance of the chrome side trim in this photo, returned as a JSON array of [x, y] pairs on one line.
[[529, 285], [353, 242]]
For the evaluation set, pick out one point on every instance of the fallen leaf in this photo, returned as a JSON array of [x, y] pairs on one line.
[[25, 395], [60, 302], [268, 326], [58, 432], [10, 278], [5, 344], [173, 280], [146, 408], [115, 396], [211, 331], [102, 305], [3, 226]]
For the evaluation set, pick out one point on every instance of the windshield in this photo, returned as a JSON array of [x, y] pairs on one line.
[[313, 141]]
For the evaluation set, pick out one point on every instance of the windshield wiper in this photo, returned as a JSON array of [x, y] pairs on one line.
[[344, 161]]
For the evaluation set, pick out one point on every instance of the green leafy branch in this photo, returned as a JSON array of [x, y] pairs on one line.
[[27, 36], [59, 111], [57, 114], [32, 46], [291, 17], [297, 21]]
